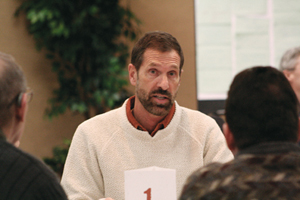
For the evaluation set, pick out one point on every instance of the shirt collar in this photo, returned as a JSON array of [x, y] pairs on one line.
[[161, 125]]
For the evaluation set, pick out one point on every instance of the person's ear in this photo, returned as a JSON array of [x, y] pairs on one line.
[[132, 72], [288, 74], [21, 108], [229, 138], [180, 77]]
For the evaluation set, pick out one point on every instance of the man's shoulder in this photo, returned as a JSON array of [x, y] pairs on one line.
[[199, 182], [195, 118], [192, 112], [26, 173], [23, 160], [213, 170], [111, 113], [262, 175], [109, 116], [104, 124]]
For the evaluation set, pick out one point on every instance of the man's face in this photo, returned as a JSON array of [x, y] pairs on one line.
[[157, 81], [294, 78]]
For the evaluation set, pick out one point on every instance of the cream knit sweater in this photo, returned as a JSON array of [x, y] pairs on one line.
[[106, 145]]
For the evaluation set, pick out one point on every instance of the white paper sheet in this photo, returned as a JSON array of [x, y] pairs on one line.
[[153, 183]]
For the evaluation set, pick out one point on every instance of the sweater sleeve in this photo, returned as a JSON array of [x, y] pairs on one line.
[[216, 149], [82, 177]]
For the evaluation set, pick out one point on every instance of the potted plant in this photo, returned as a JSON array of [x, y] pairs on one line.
[[87, 42]]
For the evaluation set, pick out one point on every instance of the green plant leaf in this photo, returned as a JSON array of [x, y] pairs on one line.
[[87, 42]]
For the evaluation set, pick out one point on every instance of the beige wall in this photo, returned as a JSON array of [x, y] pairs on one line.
[[173, 16], [177, 18]]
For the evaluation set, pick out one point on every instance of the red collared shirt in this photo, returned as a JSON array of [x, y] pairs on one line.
[[164, 123]]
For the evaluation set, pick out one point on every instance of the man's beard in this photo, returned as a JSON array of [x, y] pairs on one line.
[[153, 107]]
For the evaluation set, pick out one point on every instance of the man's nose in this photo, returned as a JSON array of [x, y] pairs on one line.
[[163, 82]]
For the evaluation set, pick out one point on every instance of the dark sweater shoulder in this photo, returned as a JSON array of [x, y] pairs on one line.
[[23, 176]]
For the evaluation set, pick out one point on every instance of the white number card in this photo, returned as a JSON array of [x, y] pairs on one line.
[[152, 183]]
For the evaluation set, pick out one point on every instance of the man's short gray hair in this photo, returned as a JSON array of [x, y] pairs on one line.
[[12, 83], [289, 59]]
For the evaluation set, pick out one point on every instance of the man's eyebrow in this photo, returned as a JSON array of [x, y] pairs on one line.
[[175, 66], [153, 64]]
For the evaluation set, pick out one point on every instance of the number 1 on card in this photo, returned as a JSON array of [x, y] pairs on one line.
[[148, 193]]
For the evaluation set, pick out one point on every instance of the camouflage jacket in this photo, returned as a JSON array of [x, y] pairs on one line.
[[265, 171]]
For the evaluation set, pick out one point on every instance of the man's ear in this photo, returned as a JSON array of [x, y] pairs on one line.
[[21, 108], [288, 74], [229, 138], [180, 76], [132, 74]]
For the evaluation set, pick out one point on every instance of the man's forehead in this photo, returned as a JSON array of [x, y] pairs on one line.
[[171, 55], [154, 64]]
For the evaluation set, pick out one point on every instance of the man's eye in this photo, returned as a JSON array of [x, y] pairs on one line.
[[152, 71], [172, 73]]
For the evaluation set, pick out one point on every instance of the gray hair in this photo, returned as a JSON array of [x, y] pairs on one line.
[[289, 59], [12, 83]]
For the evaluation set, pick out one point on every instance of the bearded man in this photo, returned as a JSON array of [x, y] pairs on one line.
[[150, 129]]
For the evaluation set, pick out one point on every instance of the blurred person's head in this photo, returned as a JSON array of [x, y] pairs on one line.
[[261, 107], [290, 66], [13, 99]]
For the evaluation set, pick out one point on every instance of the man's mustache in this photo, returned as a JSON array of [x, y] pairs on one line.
[[161, 91]]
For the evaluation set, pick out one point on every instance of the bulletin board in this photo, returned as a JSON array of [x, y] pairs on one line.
[[232, 35]]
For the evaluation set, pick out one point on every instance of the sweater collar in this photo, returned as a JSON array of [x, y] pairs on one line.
[[163, 124]]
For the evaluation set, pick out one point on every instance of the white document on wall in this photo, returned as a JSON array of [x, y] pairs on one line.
[[241, 34], [152, 183]]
